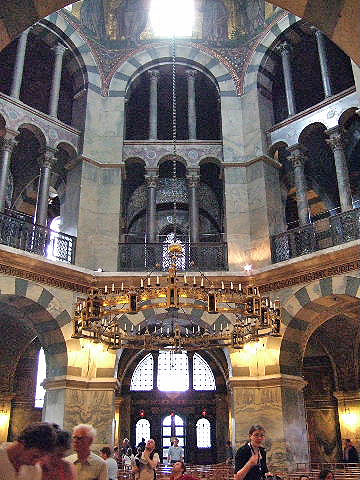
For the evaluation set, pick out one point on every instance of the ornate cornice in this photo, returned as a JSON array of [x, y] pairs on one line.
[[298, 271], [79, 383]]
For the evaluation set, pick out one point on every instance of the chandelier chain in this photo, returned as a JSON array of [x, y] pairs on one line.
[[174, 125]]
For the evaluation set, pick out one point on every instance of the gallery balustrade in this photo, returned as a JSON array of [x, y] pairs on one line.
[[18, 230], [324, 233]]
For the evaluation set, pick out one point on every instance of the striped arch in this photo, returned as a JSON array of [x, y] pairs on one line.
[[81, 50], [127, 69], [256, 76], [46, 315], [307, 309]]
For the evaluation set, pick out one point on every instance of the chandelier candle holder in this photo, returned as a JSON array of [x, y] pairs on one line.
[[104, 316]]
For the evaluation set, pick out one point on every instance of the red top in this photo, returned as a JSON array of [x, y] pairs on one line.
[[184, 476]]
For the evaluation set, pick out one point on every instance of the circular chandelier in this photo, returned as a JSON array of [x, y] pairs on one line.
[[100, 317]]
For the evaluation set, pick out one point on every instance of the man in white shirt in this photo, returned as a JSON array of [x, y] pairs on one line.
[[18, 460], [88, 465], [111, 463], [175, 453]]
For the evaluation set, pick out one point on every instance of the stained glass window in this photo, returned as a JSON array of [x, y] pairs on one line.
[[142, 378], [173, 371], [203, 433], [142, 430], [203, 377], [41, 375]]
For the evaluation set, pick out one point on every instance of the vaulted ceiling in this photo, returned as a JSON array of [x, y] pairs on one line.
[[338, 19]]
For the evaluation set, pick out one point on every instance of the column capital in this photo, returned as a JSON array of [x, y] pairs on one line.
[[297, 155], [342, 395], [336, 139], [154, 75], [8, 141], [193, 177], [284, 48], [47, 157], [152, 177], [59, 49], [191, 73]]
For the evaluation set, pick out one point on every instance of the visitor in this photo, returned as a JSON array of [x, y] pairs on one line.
[[88, 464], [250, 459], [110, 462], [229, 453], [326, 475], [124, 447], [175, 453], [145, 464], [21, 459], [55, 467], [178, 472], [350, 452], [128, 459]]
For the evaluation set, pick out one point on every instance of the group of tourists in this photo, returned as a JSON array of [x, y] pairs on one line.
[[39, 454]]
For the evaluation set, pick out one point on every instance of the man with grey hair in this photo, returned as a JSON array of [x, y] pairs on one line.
[[88, 465]]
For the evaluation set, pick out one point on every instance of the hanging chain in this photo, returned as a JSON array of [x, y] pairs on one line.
[[174, 130]]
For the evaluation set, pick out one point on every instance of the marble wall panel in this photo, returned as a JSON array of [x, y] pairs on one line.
[[104, 128]]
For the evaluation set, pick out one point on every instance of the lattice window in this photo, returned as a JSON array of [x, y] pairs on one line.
[[172, 18], [41, 375], [142, 378], [142, 430], [173, 371], [203, 377], [203, 433]]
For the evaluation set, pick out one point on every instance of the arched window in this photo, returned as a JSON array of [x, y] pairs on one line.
[[53, 247], [142, 430], [172, 426], [173, 372], [203, 433], [172, 18], [203, 377], [41, 375], [142, 378]]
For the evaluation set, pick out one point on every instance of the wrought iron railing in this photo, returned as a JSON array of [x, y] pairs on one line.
[[327, 232], [17, 231], [154, 256]]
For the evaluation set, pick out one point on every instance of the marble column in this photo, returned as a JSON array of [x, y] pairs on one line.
[[297, 158], [59, 51], [336, 142], [19, 65], [153, 111], [152, 178], [193, 181], [285, 52], [190, 75], [325, 77], [7, 147], [47, 160]]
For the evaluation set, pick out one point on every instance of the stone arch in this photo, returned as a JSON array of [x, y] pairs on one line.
[[307, 309], [256, 74], [206, 59], [37, 131], [43, 313], [80, 49]]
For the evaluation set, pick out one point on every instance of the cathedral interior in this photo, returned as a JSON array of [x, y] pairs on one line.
[[239, 140]]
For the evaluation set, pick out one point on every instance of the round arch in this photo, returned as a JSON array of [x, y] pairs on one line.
[[307, 309]]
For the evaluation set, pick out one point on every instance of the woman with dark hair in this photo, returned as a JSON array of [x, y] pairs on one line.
[[250, 459], [55, 467], [326, 475]]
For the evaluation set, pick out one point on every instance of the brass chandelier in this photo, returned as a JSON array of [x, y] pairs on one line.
[[102, 316]]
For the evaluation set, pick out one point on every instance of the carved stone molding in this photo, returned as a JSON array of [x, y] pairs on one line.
[[287, 381]]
